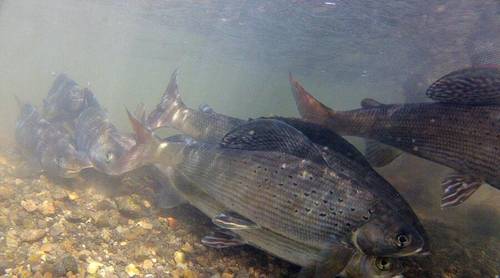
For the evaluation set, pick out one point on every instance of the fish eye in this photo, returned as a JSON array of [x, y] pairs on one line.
[[402, 240], [109, 157], [383, 264]]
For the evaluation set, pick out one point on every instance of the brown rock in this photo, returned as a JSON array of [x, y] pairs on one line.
[[29, 205], [6, 193], [32, 235], [47, 208]]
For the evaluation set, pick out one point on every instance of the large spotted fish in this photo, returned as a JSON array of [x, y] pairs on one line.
[[357, 265], [461, 129], [269, 175]]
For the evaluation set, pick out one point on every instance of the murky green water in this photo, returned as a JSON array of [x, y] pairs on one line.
[[236, 56]]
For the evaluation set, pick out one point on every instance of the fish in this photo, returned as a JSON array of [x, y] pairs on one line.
[[272, 175], [460, 129], [358, 265], [205, 124], [209, 126], [48, 145], [201, 123], [106, 147], [66, 100]]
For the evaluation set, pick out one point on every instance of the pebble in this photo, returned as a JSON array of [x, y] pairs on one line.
[[65, 264], [179, 257], [6, 193], [11, 241], [128, 206], [32, 235], [56, 229], [93, 267], [227, 275], [29, 205], [190, 274], [172, 222], [147, 264], [73, 196], [145, 225], [187, 247], [132, 270], [18, 181], [47, 208]]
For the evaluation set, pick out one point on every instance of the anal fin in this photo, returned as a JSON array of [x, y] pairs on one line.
[[233, 221], [379, 154], [457, 188], [222, 239]]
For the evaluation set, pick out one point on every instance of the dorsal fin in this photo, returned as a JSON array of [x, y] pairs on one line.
[[471, 86], [370, 103], [326, 138], [272, 135]]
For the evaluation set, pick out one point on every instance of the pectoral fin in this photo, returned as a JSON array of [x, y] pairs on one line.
[[222, 239], [379, 154], [233, 221], [169, 196], [457, 188]]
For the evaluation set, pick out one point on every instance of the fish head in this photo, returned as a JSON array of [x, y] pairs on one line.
[[389, 235], [115, 153], [361, 265], [380, 267], [63, 160]]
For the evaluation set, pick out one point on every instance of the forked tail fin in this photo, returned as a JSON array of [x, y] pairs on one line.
[[169, 106], [142, 153], [309, 107]]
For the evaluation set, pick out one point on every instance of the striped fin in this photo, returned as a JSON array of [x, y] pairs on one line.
[[222, 239], [472, 86], [457, 188], [233, 221]]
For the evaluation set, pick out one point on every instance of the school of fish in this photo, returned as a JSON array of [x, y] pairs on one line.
[[293, 187]]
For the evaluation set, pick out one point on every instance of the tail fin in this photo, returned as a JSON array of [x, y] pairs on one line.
[[142, 153], [309, 107], [170, 104]]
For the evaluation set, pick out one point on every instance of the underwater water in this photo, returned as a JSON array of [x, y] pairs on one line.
[[235, 57]]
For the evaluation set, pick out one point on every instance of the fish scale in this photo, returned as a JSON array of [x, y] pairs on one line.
[[439, 132], [301, 218]]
